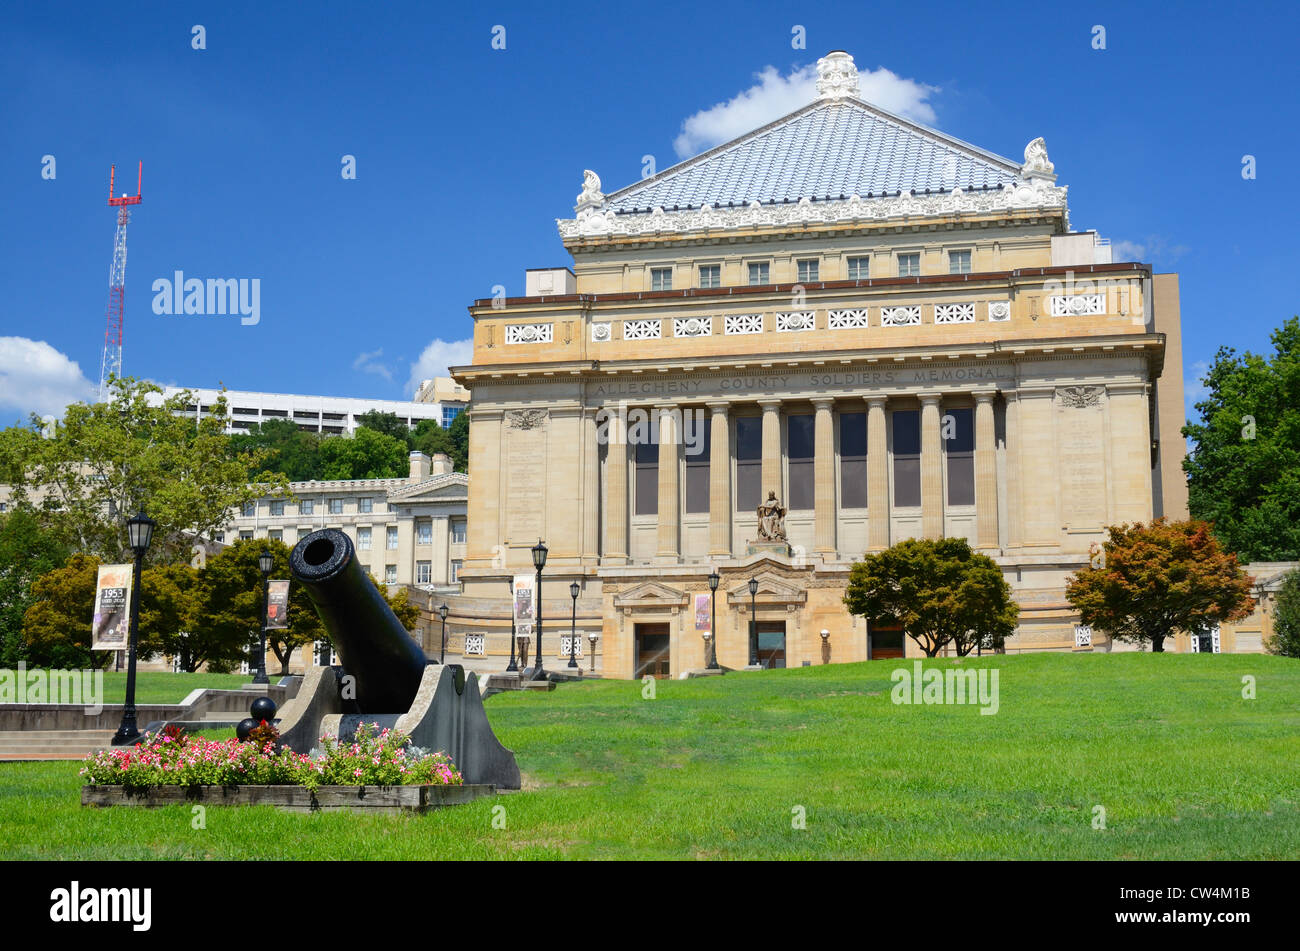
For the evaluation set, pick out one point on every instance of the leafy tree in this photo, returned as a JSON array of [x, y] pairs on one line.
[[1286, 618], [431, 438], [27, 551], [106, 461], [57, 624], [387, 423], [1244, 466], [459, 433], [407, 612], [939, 591], [171, 623], [1160, 578], [289, 451], [366, 454]]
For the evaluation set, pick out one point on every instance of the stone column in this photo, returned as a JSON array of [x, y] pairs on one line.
[[1015, 532], [1130, 453], [1040, 491], [824, 480], [484, 526], [931, 467], [616, 490], [986, 472], [669, 548], [590, 488], [719, 483], [877, 475], [771, 449]]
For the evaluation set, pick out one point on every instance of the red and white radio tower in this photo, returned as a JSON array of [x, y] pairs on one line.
[[111, 364]]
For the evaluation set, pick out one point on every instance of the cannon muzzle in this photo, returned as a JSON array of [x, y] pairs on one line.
[[374, 646]]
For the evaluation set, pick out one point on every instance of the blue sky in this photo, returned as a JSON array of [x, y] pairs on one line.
[[466, 154]]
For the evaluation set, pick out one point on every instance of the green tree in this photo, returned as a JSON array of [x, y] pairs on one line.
[[1244, 465], [1159, 578], [366, 454], [289, 451], [27, 551], [1286, 618], [106, 461], [939, 591], [57, 624], [459, 433], [431, 438], [171, 623], [387, 423]]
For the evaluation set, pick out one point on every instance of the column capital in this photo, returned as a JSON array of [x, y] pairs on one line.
[[719, 407], [984, 396], [930, 397], [877, 400], [823, 402], [770, 405]]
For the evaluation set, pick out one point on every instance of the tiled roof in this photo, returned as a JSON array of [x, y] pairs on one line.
[[833, 148]]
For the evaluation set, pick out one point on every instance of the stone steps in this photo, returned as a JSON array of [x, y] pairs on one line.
[[53, 744]]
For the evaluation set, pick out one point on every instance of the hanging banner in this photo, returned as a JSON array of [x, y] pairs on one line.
[[277, 605], [524, 607], [110, 629], [703, 616]]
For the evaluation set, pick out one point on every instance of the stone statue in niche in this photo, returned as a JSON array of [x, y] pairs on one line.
[[771, 519]]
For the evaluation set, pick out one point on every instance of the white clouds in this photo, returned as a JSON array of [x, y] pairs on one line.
[[369, 363], [436, 358], [1156, 249], [775, 95], [36, 378], [1193, 389]]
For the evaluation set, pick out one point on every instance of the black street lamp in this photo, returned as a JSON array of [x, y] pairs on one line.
[[139, 531], [574, 588], [510, 583], [264, 564], [713, 627], [442, 613], [753, 623], [539, 562]]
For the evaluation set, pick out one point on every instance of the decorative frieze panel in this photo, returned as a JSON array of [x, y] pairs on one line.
[[999, 310], [1082, 635], [954, 313], [692, 327], [474, 645], [743, 323], [601, 332], [642, 329], [1077, 305], [530, 333], [1079, 397], [795, 320], [847, 319], [564, 646], [908, 316]]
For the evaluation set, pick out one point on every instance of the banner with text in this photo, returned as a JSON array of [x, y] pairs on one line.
[[111, 627]]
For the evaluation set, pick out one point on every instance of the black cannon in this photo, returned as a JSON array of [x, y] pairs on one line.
[[375, 648]]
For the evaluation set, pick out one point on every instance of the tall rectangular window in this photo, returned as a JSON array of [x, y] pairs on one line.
[[800, 445], [277, 507], [248, 509], [958, 430], [390, 538], [909, 265], [423, 572], [958, 262], [758, 274], [424, 532], [907, 458], [306, 507], [698, 452], [647, 474], [749, 462], [336, 506], [390, 574], [364, 504], [458, 531], [859, 269], [661, 279], [710, 275], [808, 270], [453, 575], [853, 460], [363, 538]]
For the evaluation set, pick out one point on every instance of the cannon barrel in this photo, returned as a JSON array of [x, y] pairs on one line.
[[374, 646]]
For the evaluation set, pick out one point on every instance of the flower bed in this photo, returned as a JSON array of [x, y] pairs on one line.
[[374, 758]]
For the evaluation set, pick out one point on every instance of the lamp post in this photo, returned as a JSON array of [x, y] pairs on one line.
[[593, 637], [753, 623], [713, 625], [539, 562], [264, 565], [826, 646], [510, 583], [574, 588], [139, 532], [442, 613]]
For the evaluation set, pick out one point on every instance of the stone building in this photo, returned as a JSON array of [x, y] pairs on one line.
[[896, 332]]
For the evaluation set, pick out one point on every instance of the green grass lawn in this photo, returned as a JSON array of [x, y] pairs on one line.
[[716, 768], [156, 686]]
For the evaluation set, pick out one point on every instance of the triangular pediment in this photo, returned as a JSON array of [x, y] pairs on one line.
[[450, 487], [772, 589], [650, 593], [829, 150]]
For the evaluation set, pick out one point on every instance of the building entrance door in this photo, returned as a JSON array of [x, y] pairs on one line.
[[885, 642], [652, 651], [771, 644]]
